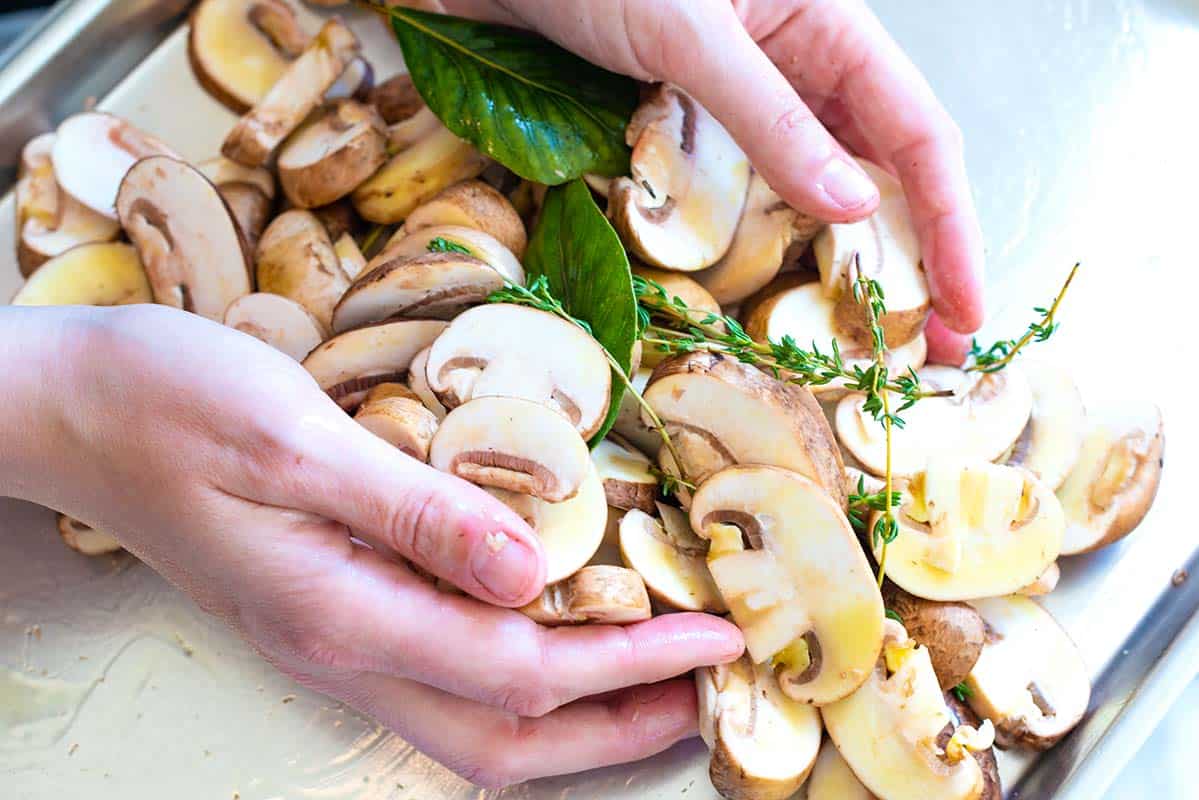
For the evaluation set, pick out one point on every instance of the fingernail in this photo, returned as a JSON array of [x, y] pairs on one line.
[[503, 566], [846, 185]]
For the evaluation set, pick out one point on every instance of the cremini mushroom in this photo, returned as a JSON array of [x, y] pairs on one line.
[[514, 444], [472, 204], [682, 287], [1115, 480], [418, 382], [832, 779], [281, 322], [355, 83], [339, 219], [1030, 679], [627, 475], [778, 545], [599, 594], [100, 274], [1051, 441], [190, 245], [689, 180], [333, 154], [349, 255], [396, 415], [973, 529], [671, 559], [762, 743], [456, 238], [296, 259], [629, 425], [248, 191], [953, 633], [1044, 584], [608, 553], [350, 364], [85, 539], [396, 99], [298, 90]]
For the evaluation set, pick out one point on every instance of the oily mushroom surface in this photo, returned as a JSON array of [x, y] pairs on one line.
[[1051, 441], [396, 415], [473, 204], [281, 322], [762, 743], [100, 274], [627, 475], [85, 539], [333, 154], [190, 245], [671, 559], [350, 364], [600, 595], [791, 571], [296, 259], [249, 193], [953, 633]]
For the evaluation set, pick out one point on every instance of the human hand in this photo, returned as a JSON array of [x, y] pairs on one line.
[[793, 80], [219, 462]]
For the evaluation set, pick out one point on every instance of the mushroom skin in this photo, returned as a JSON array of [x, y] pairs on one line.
[[396, 415], [953, 633], [278, 321], [396, 99], [332, 155], [473, 204], [98, 274], [84, 539], [1044, 584], [349, 255], [964, 715], [477, 243], [249, 193], [296, 259], [673, 566], [599, 594], [626, 474]]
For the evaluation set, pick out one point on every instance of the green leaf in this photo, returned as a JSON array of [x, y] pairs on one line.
[[542, 112], [580, 255]]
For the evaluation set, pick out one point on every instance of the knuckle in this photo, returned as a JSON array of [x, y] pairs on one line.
[[414, 525], [795, 122], [530, 698]]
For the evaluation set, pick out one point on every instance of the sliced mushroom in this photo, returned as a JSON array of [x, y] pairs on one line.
[[418, 382], [769, 230], [101, 274], [980, 421], [608, 553], [962, 714], [720, 412], [953, 633], [513, 444], [296, 259], [689, 180], [292, 97], [672, 560], [472, 204], [832, 779], [1045, 584], [428, 158], [516, 351], [1115, 480], [92, 154], [973, 529], [629, 425], [626, 474], [897, 735], [281, 322], [240, 48], [349, 255], [886, 247], [85, 539], [355, 83], [1050, 443], [790, 570], [350, 364], [249, 193], [455, 238], [681, 287], [396, 99], [396, 415], [1030, 680], [763, 743], [188, 241], [600, 595], [332, 155], [339, 219]]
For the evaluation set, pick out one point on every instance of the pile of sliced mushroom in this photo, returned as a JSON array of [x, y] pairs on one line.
[[1000, 478]]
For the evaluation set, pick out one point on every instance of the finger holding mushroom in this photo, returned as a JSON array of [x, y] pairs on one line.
[[596, 595], [296, 259], [278, 321], [396, 415], [350, 364], [333, 154]]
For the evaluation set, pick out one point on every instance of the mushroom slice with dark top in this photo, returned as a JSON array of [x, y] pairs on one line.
[[472, 204], [832, 779], [331, 156], [281, 322], [682, 287], [457, 238], [396, 415], [954, 633], [396, 99], [418, 382], [355, 83], [627, 475], [598, 595], [248, 191], [296, 259]]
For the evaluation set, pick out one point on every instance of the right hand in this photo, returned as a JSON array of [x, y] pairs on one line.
[[221, 464]]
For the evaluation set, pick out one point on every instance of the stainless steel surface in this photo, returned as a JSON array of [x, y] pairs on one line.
[[1080, 125]]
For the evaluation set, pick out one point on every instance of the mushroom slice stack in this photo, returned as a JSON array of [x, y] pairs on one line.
[[248, 191], [515, 351], [473, 204], [1030, 680], [282, 323], [293, 96], [720, 412], [240, 48], [887, 248], [763, 743], [832, 779], [954, 633], [99, 274], [85, 539], [980, 421], [627, 476], [1050, 443], [188, 241], [456, 238], [332, 155], [897, 735], [50, 221], [92, 154], [1111, 488], [969, 530], [350, 364], [790, 570], [396, 415], [296, 259], [671, 559], [680, 208], [598, 594]]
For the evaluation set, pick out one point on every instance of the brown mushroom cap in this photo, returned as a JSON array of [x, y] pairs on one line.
[[673, 566], [188, 241], [332, 155], [953, 633], [296, 259], [683, 287], [355, 82], [398, 418], [472, 204], [249, 193], [396, 99], [85, 539], [477, 243], [279, 321], [600, 595], [627, 475], [98, 274]]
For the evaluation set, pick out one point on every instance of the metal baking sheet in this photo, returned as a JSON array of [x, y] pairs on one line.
[[1080, 127]]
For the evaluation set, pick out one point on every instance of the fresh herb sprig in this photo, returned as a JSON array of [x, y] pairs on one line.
[[1000, 354], [962, 692], [440, 244], [862, 504]]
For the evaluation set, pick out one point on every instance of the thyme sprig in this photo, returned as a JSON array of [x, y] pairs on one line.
[[862, 504], [440, 244], [962, 692], [1000, 354]]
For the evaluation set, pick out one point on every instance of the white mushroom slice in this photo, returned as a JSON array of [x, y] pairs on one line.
[[514, 444], [763, 743], [802, 591], [440, 238], [296, 259], [516, 351], [832, 779], [332, 155], [240, 48], [675, 568], [1050, 443], [418, 382], [347, 366], [608, 553], [102, 274], [769, 230], [897, 735], [689, 179], [720, 412], [473, 204], [429, 158], [1112, 487], [396, 99], [980, 421], [1044, 584], [953, 633], [293, 96], [1030, 680], [600, 595], [355, 83], [396, 415], [248, 191], [629, 424], [282, 323], [626, 474], [349, 255], [188, 241], [92, 154], [570, 531], [85, 539], [973, 529]]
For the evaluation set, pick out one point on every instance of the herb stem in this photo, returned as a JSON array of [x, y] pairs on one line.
[[1000, 354]]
